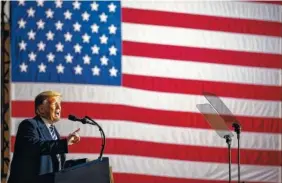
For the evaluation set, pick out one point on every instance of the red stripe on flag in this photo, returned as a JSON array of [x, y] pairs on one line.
[[137, 178], [279, 2], [202, 55], [197, 87], [150, 116], [204, 22], [168, 151]]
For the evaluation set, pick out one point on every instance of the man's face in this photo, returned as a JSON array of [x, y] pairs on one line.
[[51, 110]]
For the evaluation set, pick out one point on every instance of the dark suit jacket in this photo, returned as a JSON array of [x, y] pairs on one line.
[[35, 152]]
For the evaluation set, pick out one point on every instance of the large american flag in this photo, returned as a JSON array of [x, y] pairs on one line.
[[140, 68]]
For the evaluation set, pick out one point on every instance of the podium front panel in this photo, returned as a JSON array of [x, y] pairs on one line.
[[92, 172]]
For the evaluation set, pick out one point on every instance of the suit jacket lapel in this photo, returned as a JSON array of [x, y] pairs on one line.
[[43, 128], [57, 133]]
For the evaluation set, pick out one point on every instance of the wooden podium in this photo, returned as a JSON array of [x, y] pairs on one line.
[[90, 172]]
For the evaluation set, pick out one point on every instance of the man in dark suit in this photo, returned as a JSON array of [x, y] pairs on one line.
[[38, 147]]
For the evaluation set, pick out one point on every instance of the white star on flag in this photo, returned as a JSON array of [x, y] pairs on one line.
[[76, 5], [78, 70], [40, 24], [77, 48], [60, 68], [76, 27], [112, 7], [59, 3], [113, 71], [22, 45], [60, 47], [103, 17], [94, 6], [95, 49], [32, 56], [95, 28], [68, 58], [59, 25], [104, 60], [31, 35], [113, 50], [68, 37], [103, 39], [41, 46], [67, 15], [112, 29], [21, 2], [23, 67], [30, 12], [49, 13], [86, 59], [85, 16], [95, 71], [42, 67], [50, 35], [40, 3], [86, 38], [21, 23], [51, 57]]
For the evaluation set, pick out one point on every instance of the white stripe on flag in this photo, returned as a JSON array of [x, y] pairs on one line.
[[244, 10], [142, 98], [200, 71], [164, 134], [200, 38], [186, 169]]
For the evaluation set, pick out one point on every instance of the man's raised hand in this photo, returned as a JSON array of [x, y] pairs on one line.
[[73, 137]]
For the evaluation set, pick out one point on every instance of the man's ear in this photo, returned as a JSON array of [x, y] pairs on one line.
[[41, 110]]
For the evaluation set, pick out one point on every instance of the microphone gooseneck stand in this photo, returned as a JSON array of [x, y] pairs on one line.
[[237, 129], [102, 135], [88, 120], [228, 141]]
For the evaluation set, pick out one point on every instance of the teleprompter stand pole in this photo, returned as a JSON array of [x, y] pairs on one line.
[[228, 141], [237, 129]]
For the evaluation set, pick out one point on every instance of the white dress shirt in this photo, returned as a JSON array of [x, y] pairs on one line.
[[48, 124]]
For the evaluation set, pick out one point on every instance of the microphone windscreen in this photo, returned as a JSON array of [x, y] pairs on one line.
[[72, 118]]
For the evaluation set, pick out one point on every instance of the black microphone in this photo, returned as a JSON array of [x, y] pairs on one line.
[[237, 127], [90, 121], [74, 118]]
